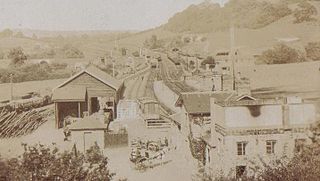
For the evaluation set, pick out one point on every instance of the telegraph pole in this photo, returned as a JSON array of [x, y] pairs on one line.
[[11, 86], [232, 53], [113, 72]]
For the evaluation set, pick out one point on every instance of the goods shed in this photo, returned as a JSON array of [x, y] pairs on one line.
[[89, 91]]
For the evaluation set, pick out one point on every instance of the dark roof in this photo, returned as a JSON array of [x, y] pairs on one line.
[[98, 74], [88, 123], [65, 94], [199, 102]]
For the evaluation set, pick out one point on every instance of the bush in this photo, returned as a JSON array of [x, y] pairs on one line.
[[72, 52], [136, 54], [17, 56], [304, 13], [43, 163], [32, 72], [313, 50], [153, 43], [281, 54]]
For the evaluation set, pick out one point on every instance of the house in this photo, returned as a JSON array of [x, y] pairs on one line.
[[245, 130], [195, 109], [87, 132], [87, 92]]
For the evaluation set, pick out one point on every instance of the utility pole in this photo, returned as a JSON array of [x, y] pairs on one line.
[[232, 54], [113, 72], [11, 87]]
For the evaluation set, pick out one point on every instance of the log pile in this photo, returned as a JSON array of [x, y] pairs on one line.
[[13, 124]]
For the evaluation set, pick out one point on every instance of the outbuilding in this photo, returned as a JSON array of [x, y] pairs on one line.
[[89, 91]]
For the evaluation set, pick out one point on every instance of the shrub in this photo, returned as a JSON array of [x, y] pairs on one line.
[[304, 13], [281, 54], [43, 163], [70, 51], [153, 43], [313, 50], [17, 56]]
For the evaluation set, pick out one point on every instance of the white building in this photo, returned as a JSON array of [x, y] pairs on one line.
[[246, 132]]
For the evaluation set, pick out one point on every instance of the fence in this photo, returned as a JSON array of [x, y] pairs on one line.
[[116, 139]]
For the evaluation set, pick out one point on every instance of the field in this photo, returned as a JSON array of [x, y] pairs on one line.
[[44, 87]]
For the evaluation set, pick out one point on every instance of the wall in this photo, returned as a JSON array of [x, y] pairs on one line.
[[88, 81], [240, 116], [300, 114], [78, 137], [127, 110], [224, 158], [165, 95]]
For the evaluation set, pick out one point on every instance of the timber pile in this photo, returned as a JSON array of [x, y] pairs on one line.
[[13, 124]]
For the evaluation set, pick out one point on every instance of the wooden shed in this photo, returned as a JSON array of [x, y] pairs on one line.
[[89, 91]]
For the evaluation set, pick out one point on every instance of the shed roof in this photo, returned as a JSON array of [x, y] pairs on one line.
[[88, 123], [65, 94], [98, 74]]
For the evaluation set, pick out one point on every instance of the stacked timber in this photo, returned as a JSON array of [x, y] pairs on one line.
[[13, 124]]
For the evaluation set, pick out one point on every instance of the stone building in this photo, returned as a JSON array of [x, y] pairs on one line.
[[247, 132]]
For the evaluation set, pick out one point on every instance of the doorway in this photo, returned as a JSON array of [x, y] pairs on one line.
[[94, 105]]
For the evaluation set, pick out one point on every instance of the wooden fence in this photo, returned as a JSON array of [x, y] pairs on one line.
[[115, 139]]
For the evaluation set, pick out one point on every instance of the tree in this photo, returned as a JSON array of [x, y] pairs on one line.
[[153, 42], [6, 33], [43, 163], [17, 56], [72, 52], [209, 61], [305, 12], [281, 54], [123, 51], [313, 50]]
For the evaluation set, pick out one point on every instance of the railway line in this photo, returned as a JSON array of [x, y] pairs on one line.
[[171, 75]]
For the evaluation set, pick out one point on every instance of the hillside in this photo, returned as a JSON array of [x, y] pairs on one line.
[[209, 17]]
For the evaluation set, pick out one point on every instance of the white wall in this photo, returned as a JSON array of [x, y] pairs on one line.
[[80, 138], [226, 159], [270, 115], [165, 95], [301, 114]]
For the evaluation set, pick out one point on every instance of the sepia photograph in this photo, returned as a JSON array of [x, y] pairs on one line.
[[159, 90]]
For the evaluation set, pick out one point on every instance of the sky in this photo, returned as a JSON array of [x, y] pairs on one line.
[[70, 15]]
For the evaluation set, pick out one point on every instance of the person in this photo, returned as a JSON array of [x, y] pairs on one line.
[[166, 141], [66, 132]]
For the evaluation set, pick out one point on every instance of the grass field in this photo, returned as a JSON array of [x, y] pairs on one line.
[[44, 87]]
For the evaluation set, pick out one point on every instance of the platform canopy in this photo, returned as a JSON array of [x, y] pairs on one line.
[[70, 94]]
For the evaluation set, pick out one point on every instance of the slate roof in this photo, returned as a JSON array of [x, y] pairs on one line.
[[199, 102]]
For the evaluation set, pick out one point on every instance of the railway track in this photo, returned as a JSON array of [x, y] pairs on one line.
[[171, 75]]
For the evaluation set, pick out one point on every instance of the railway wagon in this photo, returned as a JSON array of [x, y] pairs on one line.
[[174, 58]]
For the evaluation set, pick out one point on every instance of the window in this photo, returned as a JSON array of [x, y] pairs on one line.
[[241, 148], [270, 144]]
